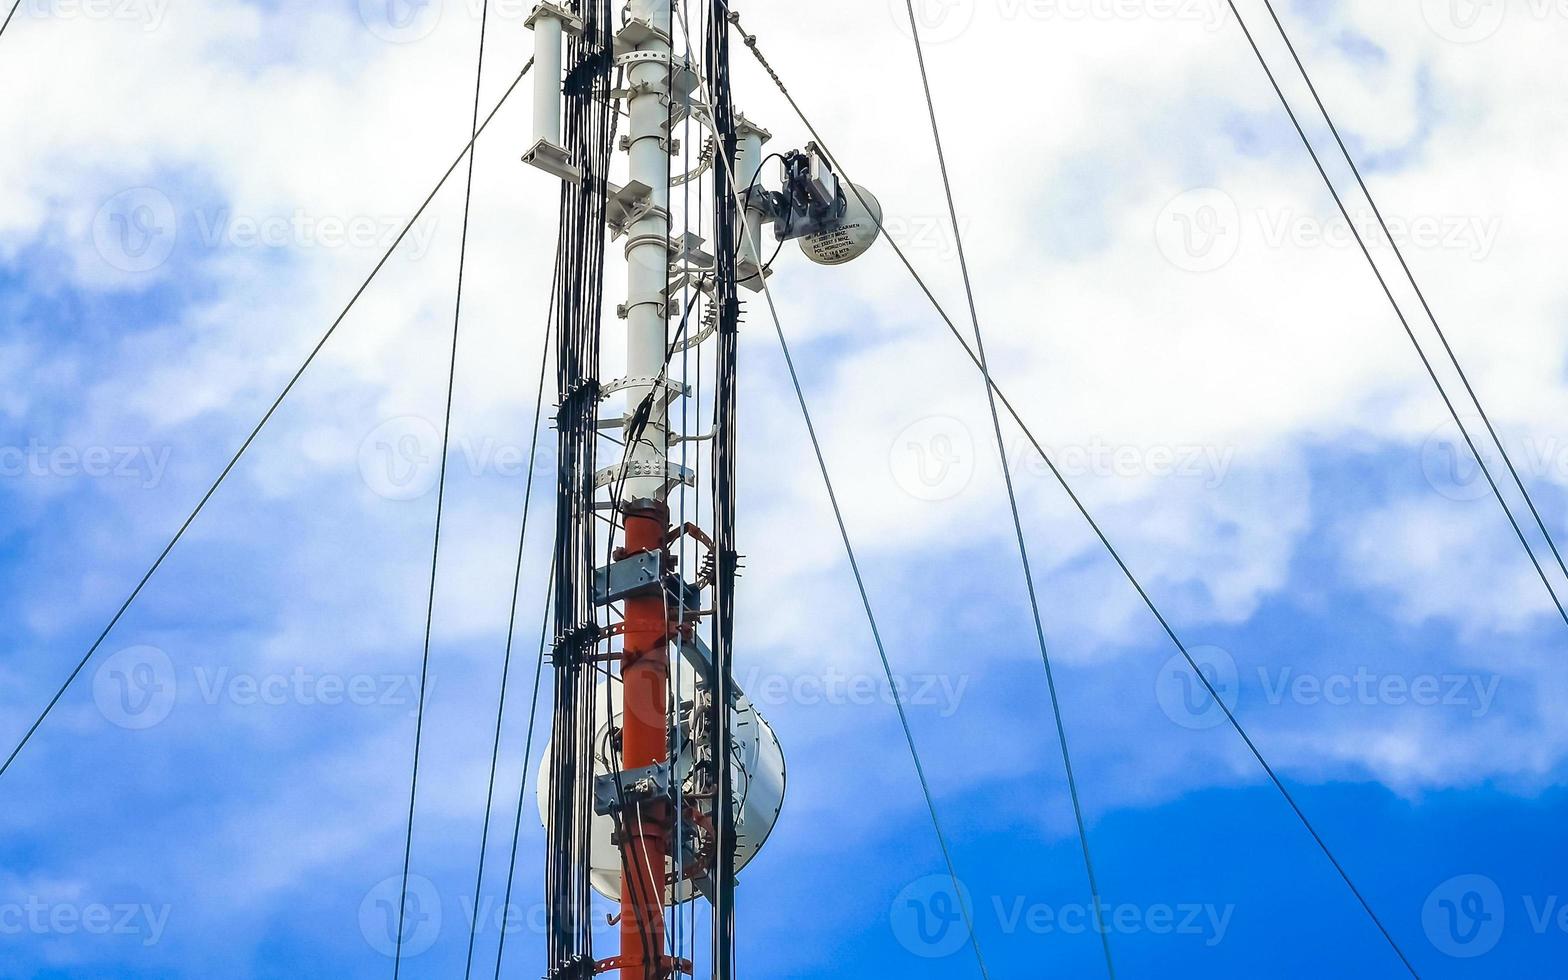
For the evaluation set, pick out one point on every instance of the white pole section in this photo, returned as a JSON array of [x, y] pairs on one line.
[[648, 238]]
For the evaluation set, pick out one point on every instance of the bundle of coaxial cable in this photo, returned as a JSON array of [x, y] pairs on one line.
[[589, 136]]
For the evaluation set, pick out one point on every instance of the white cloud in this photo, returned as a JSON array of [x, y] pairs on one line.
[[1069, 140]]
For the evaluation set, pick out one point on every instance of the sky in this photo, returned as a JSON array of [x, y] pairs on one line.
[[191, 193]]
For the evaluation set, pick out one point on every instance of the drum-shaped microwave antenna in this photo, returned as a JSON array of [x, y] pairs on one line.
[[852, 236], [758, 788]]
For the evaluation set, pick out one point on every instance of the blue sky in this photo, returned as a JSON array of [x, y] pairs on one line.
[[191, 196]]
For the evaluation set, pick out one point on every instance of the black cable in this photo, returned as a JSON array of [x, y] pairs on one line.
[[14, 7], [1421, 294], [588, 135], [763, 269], [860, 583], [726, 240], [1399, 312], [201, 505], [511, 626], [522, 783], [1094, 525], [762, 273], [435, 548], [876, 635], [1012, 501]]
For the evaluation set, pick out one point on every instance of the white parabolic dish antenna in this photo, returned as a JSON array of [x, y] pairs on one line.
[[759, 789], [853, 237]]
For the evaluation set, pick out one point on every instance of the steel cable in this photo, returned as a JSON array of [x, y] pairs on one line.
[[1012, 502], [511, 626], [256, 431], [435, 549], [1094, 525], [1425, 305]]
